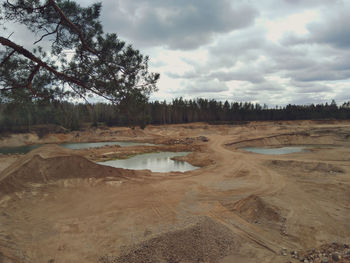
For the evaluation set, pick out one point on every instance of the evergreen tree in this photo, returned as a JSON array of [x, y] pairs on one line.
[[101, 64]]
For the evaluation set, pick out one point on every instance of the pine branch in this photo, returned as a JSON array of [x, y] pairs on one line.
[[7, 58], [21, 50]]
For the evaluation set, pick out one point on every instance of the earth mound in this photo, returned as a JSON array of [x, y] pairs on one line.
[[285, 139], [254, 208], [306, 167], [205, 241], [50, 163]]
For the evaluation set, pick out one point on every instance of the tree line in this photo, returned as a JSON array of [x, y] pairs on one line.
[[24, 116]]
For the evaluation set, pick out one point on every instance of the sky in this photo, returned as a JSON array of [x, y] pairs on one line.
[[263, 51]]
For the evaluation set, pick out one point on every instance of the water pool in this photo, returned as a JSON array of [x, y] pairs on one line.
[[156, 162]]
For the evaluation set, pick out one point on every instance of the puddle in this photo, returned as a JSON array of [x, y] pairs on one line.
[[73, 146], [156, 162], [281, 150]]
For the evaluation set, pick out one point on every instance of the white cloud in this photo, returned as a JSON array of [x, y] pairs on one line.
[[295, 23]]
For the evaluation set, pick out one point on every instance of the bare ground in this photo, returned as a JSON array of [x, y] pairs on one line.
[[57, 205]]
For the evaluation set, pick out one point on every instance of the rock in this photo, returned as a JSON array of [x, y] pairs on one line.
[[294, 254], [324, 260], [203, 138], [306, 261], [335, 257], [284, 251]]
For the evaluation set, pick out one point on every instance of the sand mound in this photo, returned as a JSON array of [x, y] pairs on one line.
[[205, 241], [50, 163], [253, 208], [307, 167], [302, 138]]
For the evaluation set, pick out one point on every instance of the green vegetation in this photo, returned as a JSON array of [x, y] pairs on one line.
[[71, 58], [16, 117]]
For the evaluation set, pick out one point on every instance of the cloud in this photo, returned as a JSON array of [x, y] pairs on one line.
[[335, 33], [332, 30], [183, 24], [212, 86], [319, 74], [311, 3], [250, 76], [307, 87]]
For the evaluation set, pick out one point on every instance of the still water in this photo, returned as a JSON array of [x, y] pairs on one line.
[[74, 146], [156, 162], [282, 150]]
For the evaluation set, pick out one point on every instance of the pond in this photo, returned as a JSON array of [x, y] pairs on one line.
[[156, 162], [74, 146], [281, 150]]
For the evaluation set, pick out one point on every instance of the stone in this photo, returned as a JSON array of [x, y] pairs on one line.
[[335, 257], [324, 260]]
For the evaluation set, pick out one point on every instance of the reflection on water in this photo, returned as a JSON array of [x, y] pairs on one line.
[[156, 162], [74, 146], [282, 150]]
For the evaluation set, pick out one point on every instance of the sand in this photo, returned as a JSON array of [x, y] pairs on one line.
[[58, 205]]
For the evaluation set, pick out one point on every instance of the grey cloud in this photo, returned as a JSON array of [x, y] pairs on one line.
[[223, 76], [186, 75], [281, 8], [307, 87], [343, 95], [212, 86], [309, 63], [333, 31], [242, 45], [310, 3], [293, 63], [175, 24], [269, 87], [322, 72], [337, 33], [253, 77], [342, 62]]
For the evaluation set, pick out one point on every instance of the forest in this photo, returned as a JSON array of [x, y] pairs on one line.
[[24, 117]]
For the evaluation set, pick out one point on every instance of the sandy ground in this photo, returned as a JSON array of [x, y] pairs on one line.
[[57, 205]]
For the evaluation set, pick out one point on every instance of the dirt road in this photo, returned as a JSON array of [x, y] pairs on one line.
[[56, 205]]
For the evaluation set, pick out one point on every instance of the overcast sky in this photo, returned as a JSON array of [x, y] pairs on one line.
[[265, 51]]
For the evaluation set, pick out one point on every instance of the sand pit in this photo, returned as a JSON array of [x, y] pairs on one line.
[[59, 205]]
